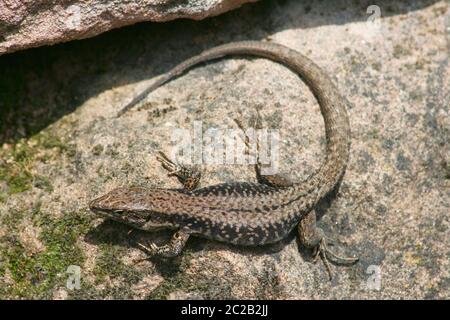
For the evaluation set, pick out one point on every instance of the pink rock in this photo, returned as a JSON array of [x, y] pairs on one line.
[[33, 23]]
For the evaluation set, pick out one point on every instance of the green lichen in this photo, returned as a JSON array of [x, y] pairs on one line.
[[3, 197], [373, 134], [176, 279], [12, 219], [33, 275], [42, 182], [109, 265], [19, 159], [401, 51], [97, 150], [14, 169], [177, 282]]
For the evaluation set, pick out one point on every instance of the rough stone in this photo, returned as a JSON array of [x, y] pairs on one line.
[[25, 23], [62, 146]]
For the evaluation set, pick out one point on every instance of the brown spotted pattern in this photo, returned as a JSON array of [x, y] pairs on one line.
[[241, 213]]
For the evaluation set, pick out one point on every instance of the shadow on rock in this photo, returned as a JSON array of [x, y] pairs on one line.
[[39, 86]]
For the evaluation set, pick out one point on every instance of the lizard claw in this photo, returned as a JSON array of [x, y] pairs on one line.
[[189, 177], [167, 164], [146, 249], [325, 254], [151, 249]]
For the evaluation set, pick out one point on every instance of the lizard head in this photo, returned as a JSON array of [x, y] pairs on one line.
[[134, 206]]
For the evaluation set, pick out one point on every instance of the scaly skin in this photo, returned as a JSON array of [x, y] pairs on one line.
[[242, 213]]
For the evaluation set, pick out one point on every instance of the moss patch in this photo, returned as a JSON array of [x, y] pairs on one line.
[[177, 279], [109, 265], [33, 275], [17, 161]]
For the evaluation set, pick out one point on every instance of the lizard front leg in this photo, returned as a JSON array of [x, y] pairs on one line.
[[189, 177], [171, 249]]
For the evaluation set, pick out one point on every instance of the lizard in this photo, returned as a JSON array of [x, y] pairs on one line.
[[241, 213]]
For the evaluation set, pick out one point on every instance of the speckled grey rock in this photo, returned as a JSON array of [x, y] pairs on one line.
[[392, 208], [25, 24]]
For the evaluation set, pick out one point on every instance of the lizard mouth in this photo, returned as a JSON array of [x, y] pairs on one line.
[[130, 218]]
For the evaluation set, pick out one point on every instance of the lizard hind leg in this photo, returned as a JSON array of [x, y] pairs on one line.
[[274, 180], [189, 177], [169, 250], [313, 237]]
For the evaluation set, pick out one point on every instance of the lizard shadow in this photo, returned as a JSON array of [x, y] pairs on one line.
[[111, 232], [118, 234]]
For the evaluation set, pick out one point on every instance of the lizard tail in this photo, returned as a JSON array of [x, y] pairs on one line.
[[332, 105]]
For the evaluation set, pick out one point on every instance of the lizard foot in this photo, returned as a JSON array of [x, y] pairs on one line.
[[188, 177], [169, 250], [152, 250], [326, 255], [314, 238]]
